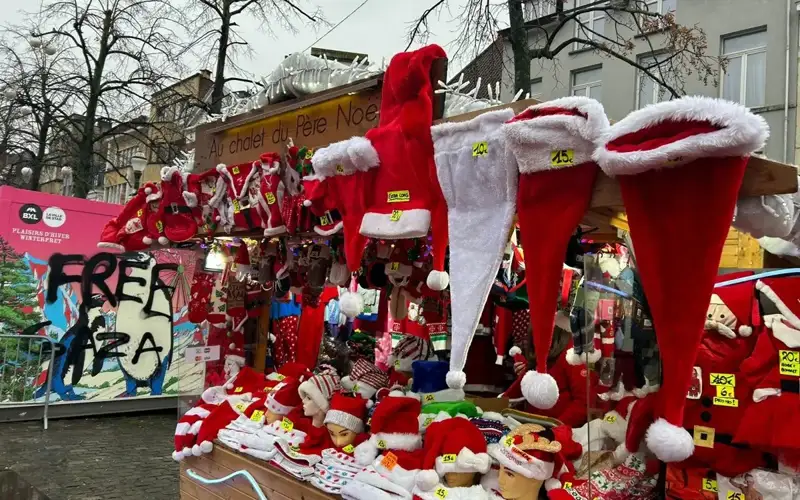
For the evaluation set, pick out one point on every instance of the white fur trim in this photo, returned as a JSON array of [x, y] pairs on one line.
[[345, 419], [276, 407], [153, 197], [443, 396], [182, 428], [499, 359], [275, 231], [397, 441], [365, 453], [779, 303], [745, 331], [539, 389], [621, 453], [190, 199], [177, 456], [493, 415], [466, 461], [351, 304], [427, 479], [777, 246], [552, 484], [309, 389], [345, 157], [762, 394], [438, 280], [580, 359], [669, 442], [226, 173], [740, 133], [113, 246], [533, 140], [335, 229], [168, 172], [412, 223], [199, 411], [487, 122], [514, 351], [456, 379], [163, 240], [532, 469]]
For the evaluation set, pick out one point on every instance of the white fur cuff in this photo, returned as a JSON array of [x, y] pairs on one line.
[[405, 224], [345, 157]]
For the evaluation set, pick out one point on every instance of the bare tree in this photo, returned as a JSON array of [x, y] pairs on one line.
[[124, 51], [555, 27], [217, 23]]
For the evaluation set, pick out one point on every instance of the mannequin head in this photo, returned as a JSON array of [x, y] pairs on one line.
[[514, 486], [271, 417], [340, 436], [460, 479], [310, 408], [233, 364]]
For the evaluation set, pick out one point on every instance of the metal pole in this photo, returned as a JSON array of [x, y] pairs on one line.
[[48, 387]]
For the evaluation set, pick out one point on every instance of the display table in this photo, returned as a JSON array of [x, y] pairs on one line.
[[222, 461]]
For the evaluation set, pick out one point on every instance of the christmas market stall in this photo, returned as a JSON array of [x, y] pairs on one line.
[[410, 292]]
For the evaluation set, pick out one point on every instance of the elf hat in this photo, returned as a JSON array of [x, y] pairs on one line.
[[429, 381], [320, 388], [453, 445], [529, 450], [394, 426], [553, 144], [680, 165], [480, 188], [285, 397], [408, 350], [365, 379], [347, 411], [733, 309]]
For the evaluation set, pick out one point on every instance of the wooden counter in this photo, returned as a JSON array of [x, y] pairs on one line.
[[276, 484]]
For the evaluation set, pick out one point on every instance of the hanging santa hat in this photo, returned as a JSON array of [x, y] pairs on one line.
[[320, 388], [733, 308], [553, 144], [480, 186], [394, 426], [347, 411], [532, 451], [453, 445], [680, 165]]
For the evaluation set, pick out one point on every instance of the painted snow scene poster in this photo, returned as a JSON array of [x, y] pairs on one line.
[[118, 322]]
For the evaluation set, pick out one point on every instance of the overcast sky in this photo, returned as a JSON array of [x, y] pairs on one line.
[[378, 29]]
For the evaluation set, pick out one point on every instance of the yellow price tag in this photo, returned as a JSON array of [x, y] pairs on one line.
[[355, 387], [508, 442], [159, 226], [236, 207], [325, 219], [139, 212], [723, 379], [398, 196], [241, 407], [270, 198], [440, 492], [480, 149], [238, 389], [704, 436], [396, 214], [381, 444], [449, 458], [562, 157], [397, 363], [348, 449], [710, 485], [280, 377], [790, 363], [611, 419], [428, 421], [256, 416], [729, 402], [309, 154], [394, 266], [339, 169], [369, 421], [567, 485], [235, 170], [430, 398], [732, 495], [726, 391], [287, 424]]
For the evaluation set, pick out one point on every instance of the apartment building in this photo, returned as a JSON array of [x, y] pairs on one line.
[[122, 174], [758, 38]]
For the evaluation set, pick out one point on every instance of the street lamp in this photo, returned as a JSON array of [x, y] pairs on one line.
[[138, 162]]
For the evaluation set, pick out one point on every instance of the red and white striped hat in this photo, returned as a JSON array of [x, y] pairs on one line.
[[320, 388], [365, 379], [408, 350]]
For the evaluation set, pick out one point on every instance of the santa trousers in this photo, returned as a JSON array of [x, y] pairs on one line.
[[285, 347]]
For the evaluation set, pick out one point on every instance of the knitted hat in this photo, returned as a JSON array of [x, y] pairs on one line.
[[320, 388], [480, 187], [365, 379], [285, 397], [553, 144], [408, 350], [733, 309], [530, 450], [453, 445], [394, 426], [429, 382], [347, 411], [674, 160]]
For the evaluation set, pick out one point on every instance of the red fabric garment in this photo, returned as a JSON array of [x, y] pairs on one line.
[[687, 484], [312, 326], [285, 347], [571, 407]]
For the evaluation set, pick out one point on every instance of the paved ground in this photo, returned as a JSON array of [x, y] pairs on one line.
[[104, 458]]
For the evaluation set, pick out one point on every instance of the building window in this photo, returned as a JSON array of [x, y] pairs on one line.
[[588, 83], [661, 6], [115, 194], [590, 25], [124, 157], [649, 92], [536, 88], [535, 9], [745, 79]]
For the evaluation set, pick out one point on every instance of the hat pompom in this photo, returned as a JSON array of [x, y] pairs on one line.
[[669, 442], [369, 403], [148, 190], [514, 351], [229, 386], [231, 346], [438, 280], [351, 304], [147, 240], [540, 389], [427, 479], [365, 453], [456, 379], [307, 203], [163, 240], [552, 484], [745, 331], [581, 359], [177, 456]]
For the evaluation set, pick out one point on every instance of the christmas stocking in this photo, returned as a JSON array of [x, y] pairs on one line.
[[238, 181], [271, 195], [480, 187], [679, 165], [553, 144], [179, 223]]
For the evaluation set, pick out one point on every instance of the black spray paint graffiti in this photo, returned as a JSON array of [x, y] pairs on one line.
[[140, 296]]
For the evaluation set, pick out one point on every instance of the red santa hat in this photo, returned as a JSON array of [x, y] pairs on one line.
[[679, 165], [529, 450], [452, 445], [394, 426], [292, 369], [285, 397], [553, 144], [733, 309], [783, 293], [347, 411], [320, 388], [480, 186], [247, 380]]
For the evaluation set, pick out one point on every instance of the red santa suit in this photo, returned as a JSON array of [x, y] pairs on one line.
[[773, 370]]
